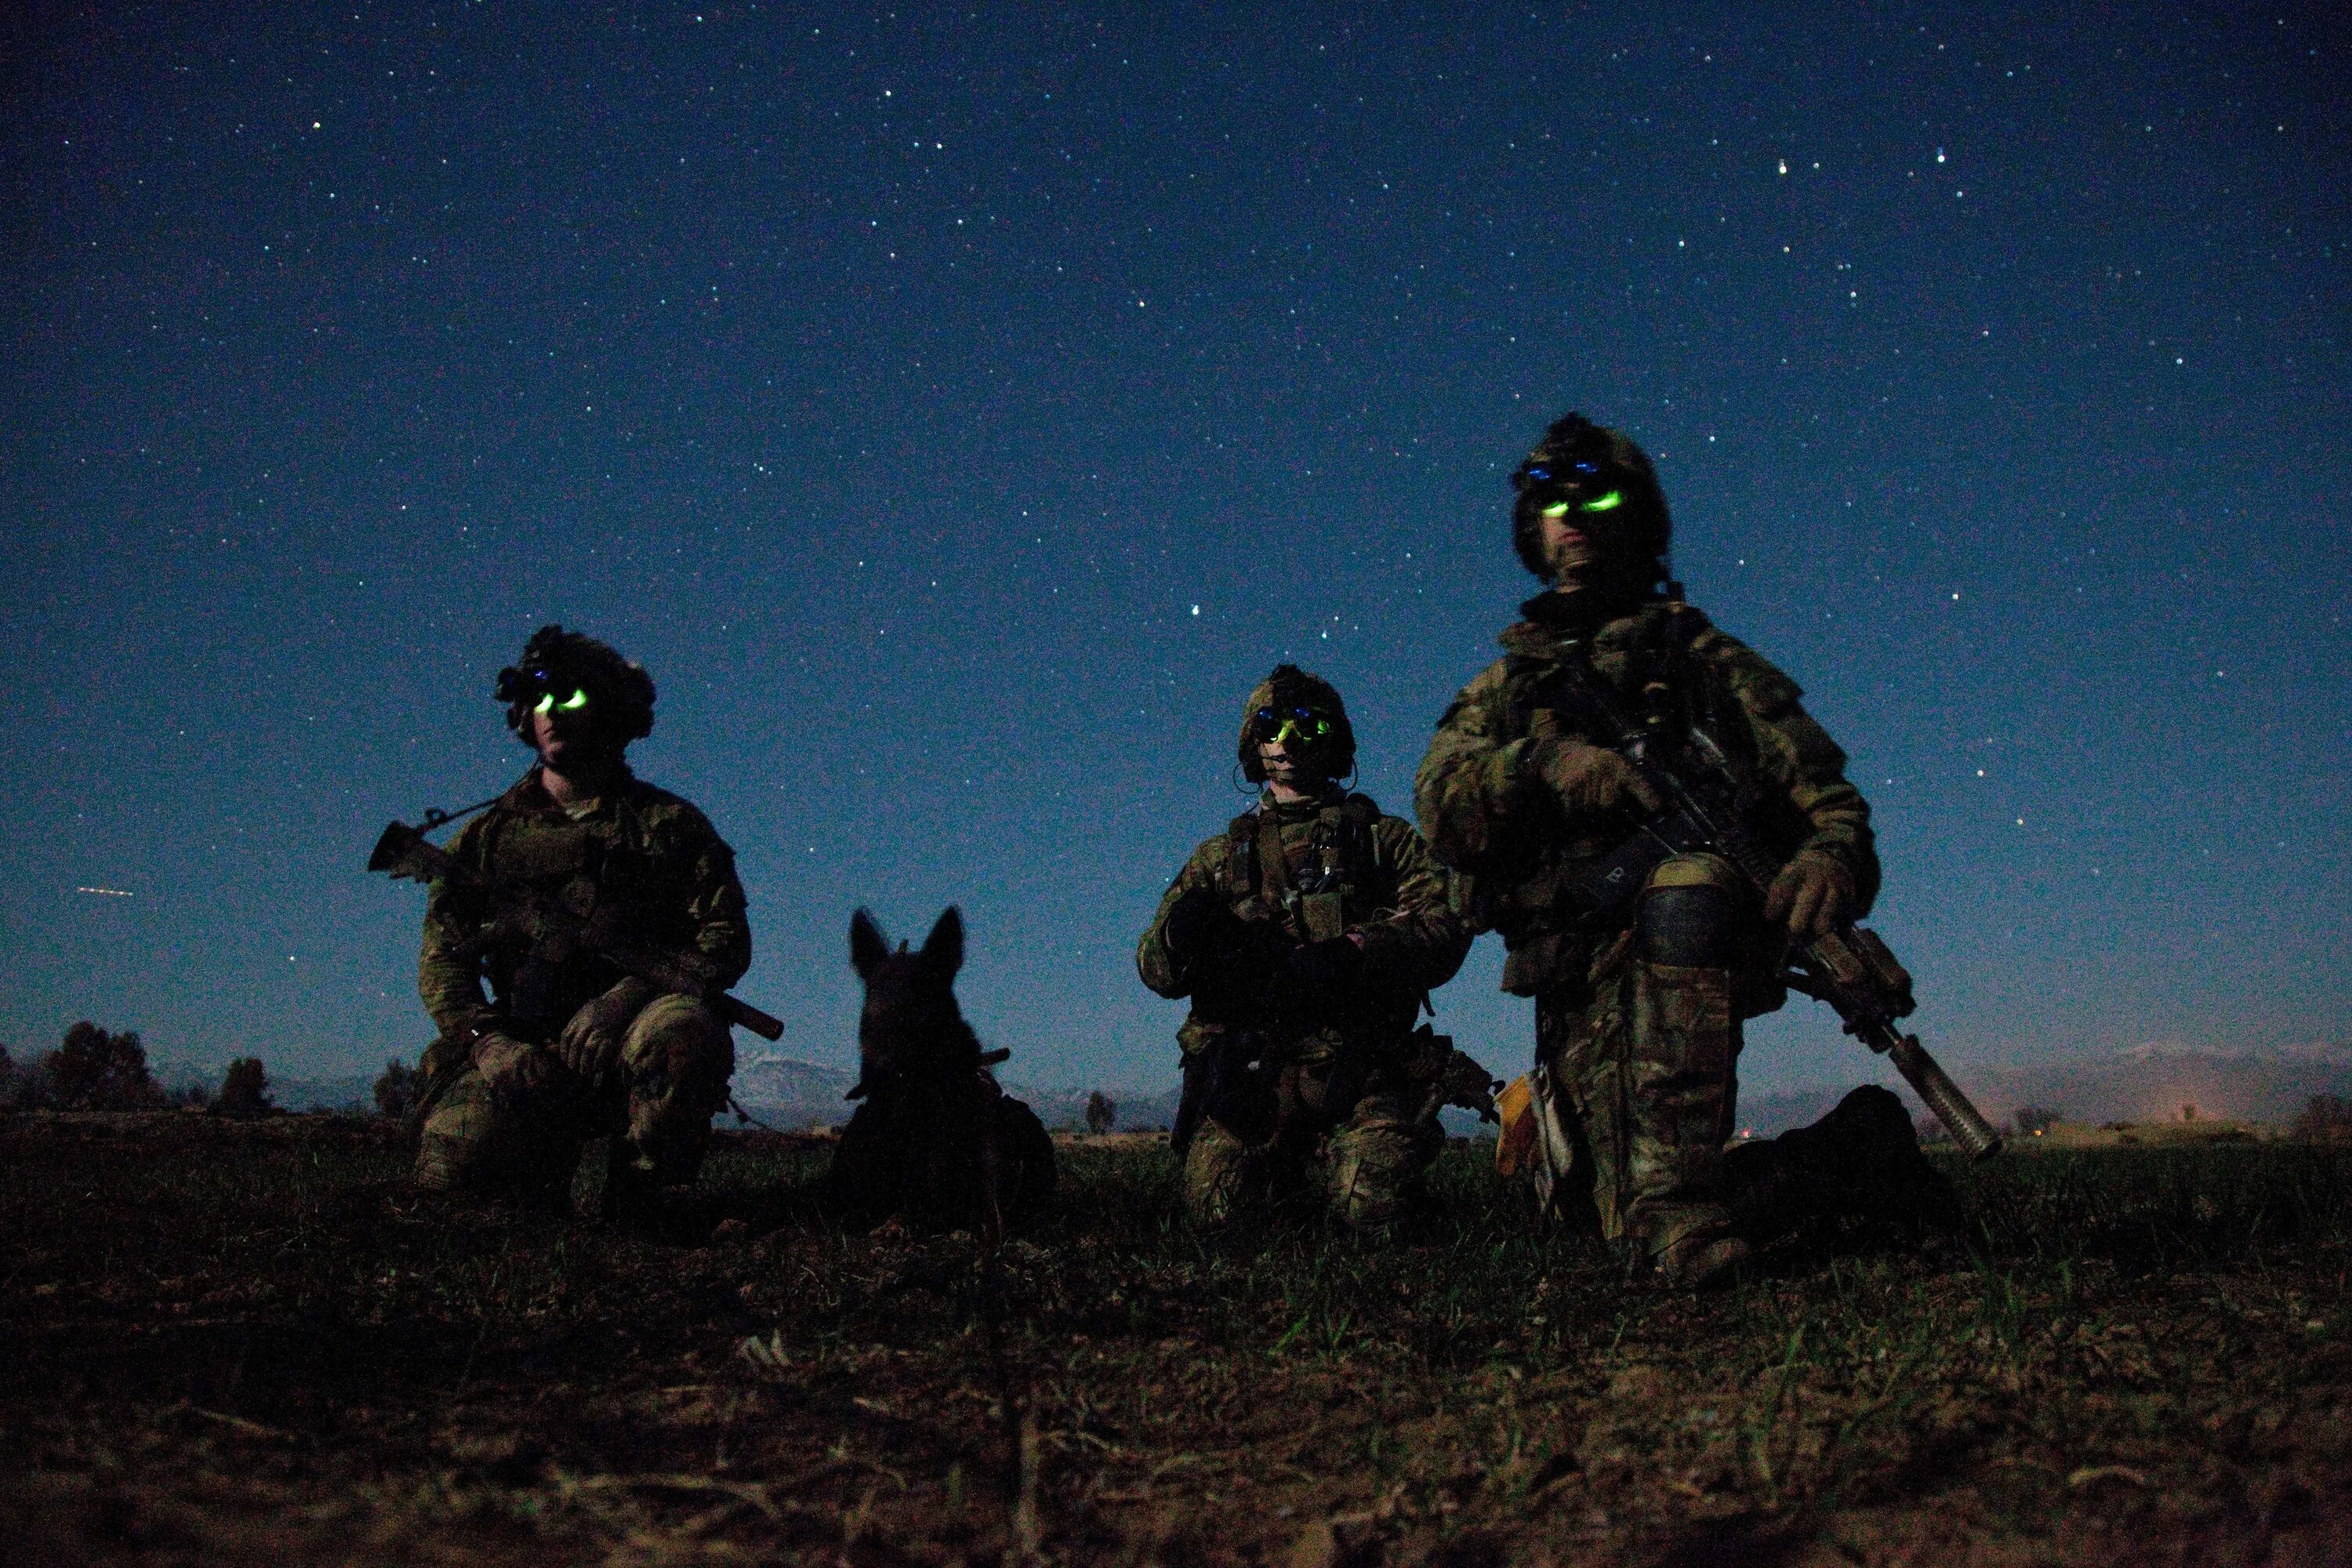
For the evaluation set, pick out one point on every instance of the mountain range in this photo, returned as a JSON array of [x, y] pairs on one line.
[[2143, 1083]]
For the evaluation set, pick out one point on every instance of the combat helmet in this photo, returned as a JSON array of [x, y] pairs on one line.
[[566, 669], [1608, 478], [1306, 707]]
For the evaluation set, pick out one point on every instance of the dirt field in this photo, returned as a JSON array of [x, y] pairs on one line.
[[248, 1344]]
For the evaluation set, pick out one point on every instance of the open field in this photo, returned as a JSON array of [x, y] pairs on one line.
[[240, 1342]]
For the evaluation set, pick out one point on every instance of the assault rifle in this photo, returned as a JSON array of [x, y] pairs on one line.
[[555, 933], [1850, 969]]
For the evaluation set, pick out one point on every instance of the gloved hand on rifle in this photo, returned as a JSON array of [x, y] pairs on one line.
[[1812, 896], [1588, 780], [590, 1044]]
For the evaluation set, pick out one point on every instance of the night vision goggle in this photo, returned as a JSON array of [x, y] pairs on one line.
[[552, 697], [1289, 725], [1554, 489]]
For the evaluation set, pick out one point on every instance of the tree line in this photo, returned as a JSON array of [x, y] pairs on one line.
[[97, 1070]]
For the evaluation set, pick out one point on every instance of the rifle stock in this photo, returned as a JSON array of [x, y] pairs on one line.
[[404, 851]]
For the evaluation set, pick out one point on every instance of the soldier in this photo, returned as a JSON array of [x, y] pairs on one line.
[[565, 1047], [1307, 935], [1638, 1015]]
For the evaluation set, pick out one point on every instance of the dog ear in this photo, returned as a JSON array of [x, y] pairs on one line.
[[944, 949], [868, 946]]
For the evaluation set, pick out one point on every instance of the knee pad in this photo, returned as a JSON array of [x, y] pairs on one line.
[[1375, 1169], [679, 1040], [1691, 914]]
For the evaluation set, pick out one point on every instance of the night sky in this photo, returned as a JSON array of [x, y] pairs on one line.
[[957, 408]]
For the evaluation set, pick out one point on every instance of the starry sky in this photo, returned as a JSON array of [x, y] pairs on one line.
[[956, 408]]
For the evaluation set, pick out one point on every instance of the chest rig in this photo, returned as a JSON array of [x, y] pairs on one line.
[[1670, 692], [595, 867], [1341, 867]]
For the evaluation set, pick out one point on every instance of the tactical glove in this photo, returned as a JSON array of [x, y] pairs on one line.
[[1588, 780], [511, 1067], [1813, 895], [590, 1044]]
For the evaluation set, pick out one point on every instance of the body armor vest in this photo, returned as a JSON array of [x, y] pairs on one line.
[[1342, 863]]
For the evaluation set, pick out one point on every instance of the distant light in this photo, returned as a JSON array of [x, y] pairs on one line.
[[1196, 609], [107, 892]]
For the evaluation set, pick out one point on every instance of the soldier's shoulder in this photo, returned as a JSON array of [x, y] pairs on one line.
[[1758, 683], [1489, 686], [665, 811], [1212, 851], [520, 799], [1399, 834]]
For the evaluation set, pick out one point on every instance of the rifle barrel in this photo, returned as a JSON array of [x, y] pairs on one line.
[[1969, 1130]]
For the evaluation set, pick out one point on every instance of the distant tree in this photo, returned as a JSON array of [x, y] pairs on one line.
[[245, 1090], [1102, 1112], [94, 1070], [397, 1093], [2033, 1119], [191, 1096], [21, 1088], [2325, 1118]]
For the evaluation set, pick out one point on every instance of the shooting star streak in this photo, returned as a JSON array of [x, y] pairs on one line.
[[107, 892]]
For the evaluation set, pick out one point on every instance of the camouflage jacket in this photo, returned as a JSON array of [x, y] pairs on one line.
[[1346, 870], [638, 858], [1488, 812]]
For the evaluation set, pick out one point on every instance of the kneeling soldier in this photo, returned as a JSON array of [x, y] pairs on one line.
[[1307, 935], [1640, 999], [566, 1046]]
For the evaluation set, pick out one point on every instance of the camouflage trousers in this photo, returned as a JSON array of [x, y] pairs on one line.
[[1264, 1143], [1645, 1070], [512, 1123], [1644, 1054]]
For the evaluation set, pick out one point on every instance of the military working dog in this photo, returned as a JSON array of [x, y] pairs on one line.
[[934, 1142]]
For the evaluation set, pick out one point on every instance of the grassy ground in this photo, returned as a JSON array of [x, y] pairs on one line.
[[232, 1343]]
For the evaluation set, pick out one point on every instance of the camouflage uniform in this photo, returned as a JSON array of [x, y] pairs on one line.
[[1296, 1065], [1639, 1020], [505, 1112]]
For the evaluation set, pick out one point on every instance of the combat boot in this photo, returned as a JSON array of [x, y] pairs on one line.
[[1704, 1261], [1891, 1182], [1861, 1162]]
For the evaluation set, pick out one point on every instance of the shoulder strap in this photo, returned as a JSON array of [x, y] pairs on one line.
[[1272, 867], [1358, 848], [1240, 857]]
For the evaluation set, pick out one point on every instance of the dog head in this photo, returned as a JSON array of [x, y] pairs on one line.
[[911, 1023]]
